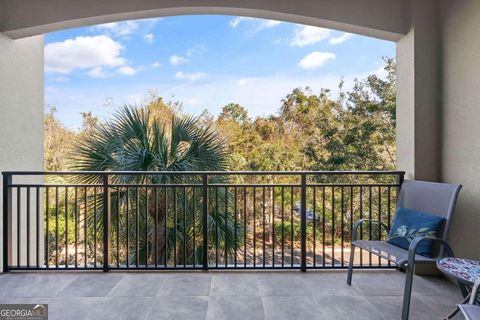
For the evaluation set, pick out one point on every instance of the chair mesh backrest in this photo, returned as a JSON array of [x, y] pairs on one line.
[[430, 197]]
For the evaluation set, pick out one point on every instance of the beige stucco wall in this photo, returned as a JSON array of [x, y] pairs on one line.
[[461, 118], [21, 104]]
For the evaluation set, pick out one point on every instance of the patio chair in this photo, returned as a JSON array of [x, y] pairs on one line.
[[471, 311], [434, 198]]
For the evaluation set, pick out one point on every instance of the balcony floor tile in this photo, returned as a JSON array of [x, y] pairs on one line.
[[374, 294], [179, 308], [235, 308]]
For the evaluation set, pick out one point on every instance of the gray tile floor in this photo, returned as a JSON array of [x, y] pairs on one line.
[[229, 295]]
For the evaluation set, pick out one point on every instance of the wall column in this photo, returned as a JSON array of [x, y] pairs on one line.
[[21, 105], [419, 92], [461, 115]]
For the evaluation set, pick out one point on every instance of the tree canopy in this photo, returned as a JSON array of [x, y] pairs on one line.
[[311, 131]]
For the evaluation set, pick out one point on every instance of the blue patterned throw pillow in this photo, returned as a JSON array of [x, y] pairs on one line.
[[409, 224]]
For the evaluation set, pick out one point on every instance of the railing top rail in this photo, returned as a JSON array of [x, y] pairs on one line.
[[199, 173]]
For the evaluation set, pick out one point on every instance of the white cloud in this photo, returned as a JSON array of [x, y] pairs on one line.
[[198, 49], [156, 64], [259, 23], [270, 23], [340, 39], [119, 28], [127, 70], [176, 60], [60, 78], [149, 38], [82, 53], [259, 102], [189, 76], [51, 89], [315, 60], [379, 72], [97, 72], [308, 35], [237, 20], [74, 99], [194, 102], [242, 82]]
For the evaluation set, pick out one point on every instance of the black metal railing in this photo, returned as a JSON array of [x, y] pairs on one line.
[[192, 220]]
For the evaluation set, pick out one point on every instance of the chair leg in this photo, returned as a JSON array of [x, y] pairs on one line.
[[407, 294], [350, 266]]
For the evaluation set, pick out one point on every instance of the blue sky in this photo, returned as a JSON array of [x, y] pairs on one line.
[[203, 61]]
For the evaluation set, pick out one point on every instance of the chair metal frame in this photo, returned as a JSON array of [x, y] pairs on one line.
[[467, 309], [409, 262]]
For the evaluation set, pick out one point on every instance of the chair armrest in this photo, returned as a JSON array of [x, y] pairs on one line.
[[415, 242], [358, 223], [474, 293]]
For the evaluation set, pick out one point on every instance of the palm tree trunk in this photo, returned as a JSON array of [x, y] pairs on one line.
[[157, 211]]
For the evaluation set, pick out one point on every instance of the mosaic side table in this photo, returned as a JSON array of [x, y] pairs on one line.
[[465, 271]]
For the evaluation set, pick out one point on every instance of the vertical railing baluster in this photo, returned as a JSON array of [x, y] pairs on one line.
[[303, 222], [389, 218], [333, 226], [127, 219], [244, 226], [370, 216], [19, 223], [137, 226], [28, 226], [263, 225], [236, 224], [165, 251], [379, 219], [95, 211], [292, 236], [146, 227], [323, 226], [361, 226], [107, 214], [156, 227], [185, 234], [273, 226], [194, 210], [254, 227], [225, 227], [216, 227], [117, 233], [205, 221], [7, 241], [37, 226], [342, 225], [85, 226], [76, 227], [56, 227], [314, 226], [351, 217], [283, 226], [66, 227]]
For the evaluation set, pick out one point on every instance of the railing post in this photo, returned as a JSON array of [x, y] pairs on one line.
[[7, 198], [401, 179], [303, 222], [107, 211], [205, 221]]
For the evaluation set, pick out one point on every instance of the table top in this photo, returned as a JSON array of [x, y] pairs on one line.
[[463, 270]]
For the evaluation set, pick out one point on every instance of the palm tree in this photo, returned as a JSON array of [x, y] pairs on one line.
[[145, 139]]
